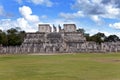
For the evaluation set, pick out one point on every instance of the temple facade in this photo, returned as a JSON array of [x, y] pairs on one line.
[[48, 41], [65, 40]]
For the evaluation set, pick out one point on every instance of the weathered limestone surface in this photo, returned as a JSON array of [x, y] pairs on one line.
[[69, 28], [66, 41], [44, 28]]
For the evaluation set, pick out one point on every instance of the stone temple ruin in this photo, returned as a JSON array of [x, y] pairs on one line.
[[66, 40]]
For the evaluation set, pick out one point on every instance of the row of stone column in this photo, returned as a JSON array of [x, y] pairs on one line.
[[67, 48]]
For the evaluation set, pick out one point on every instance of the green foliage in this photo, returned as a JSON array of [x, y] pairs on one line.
[[87, 36], [13, 37], [3, 38], [112, 38], [99, 37]]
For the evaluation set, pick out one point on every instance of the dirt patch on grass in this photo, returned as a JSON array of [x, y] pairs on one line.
[[50, 53], [43, 54], [108, 60]]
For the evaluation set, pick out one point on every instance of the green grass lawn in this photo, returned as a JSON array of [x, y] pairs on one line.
[[60, 67]]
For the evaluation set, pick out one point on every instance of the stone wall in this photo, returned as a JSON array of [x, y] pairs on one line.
[[69, 47], [67, 41]]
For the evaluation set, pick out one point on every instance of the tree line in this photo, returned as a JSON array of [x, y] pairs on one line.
[[12, 37], [99, 37], [15, 37]]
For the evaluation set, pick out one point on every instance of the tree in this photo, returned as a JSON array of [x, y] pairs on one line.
[[3, 38], [87, 36], [112, 38], [22, 35], [99, 37], [12, 31], [15, 37]]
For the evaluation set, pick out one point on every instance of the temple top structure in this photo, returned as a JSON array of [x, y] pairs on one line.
[[69, 27], [44, 28], [66, 28]]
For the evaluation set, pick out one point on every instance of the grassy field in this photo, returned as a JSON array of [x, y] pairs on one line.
[[60, 67]]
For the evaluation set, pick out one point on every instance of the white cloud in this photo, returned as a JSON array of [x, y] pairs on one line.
[[48, 3], [72, 15], [97, 1], [25, 25], [111, 33], [7, 23], [1, 28], [60, 22], [115, 25], [96, 19], [98, 9], [107, 33], [27, 22], [93, 31], [25, 10], [27, 14], [111, 12]]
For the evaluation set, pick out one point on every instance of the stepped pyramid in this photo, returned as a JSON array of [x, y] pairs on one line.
[[48, 41]]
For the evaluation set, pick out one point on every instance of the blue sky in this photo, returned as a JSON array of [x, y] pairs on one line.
[[92, 15]]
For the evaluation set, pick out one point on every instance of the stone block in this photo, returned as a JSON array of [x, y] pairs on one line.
[[44, 28], [69, 28]]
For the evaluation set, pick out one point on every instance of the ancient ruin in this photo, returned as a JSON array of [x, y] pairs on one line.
[[67, 40]]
